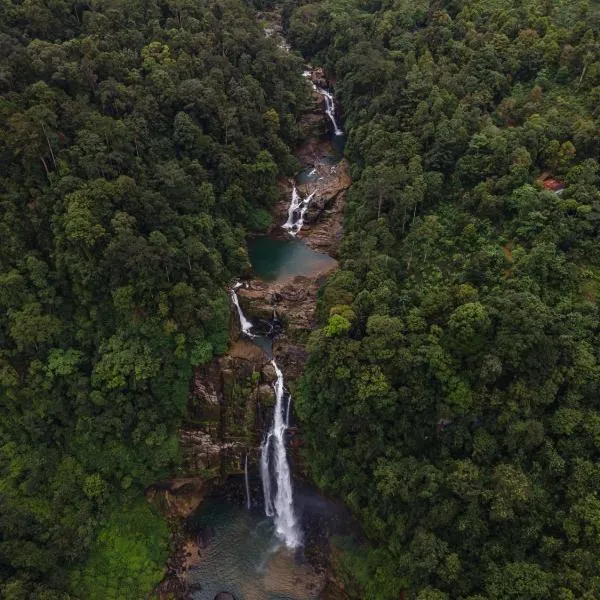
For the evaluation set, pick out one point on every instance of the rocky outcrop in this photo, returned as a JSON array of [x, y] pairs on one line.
[[179, 496], [323, 222], [230, 402], [293, 299]]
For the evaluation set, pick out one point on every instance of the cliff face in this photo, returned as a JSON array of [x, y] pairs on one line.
[[227, 411]]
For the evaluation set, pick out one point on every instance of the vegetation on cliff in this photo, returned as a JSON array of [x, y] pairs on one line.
[[139, 143], [451, 395]]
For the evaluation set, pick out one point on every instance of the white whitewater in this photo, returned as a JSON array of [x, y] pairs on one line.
[[248, 501], [329, 103], [245, 324], [330, 109], [294, 206], [296, 211], [274, 464]]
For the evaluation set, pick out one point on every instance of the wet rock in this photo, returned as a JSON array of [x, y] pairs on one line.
[[291, 357], [312, 124], [324, 220], [178, 497], [268, 373], [204, 450], [206, 394], [266, 394], [224, 596], [247, 351]]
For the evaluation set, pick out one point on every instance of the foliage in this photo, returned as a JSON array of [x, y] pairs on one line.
[[453, 402], [139, 144], [128, 557]]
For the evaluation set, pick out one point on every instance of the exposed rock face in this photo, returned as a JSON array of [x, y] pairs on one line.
[[179, 496], [227, 408], [323, 222], [294, 299]]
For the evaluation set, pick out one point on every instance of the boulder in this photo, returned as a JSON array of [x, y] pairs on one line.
[[268, 373], [179, 496], [266, 395]]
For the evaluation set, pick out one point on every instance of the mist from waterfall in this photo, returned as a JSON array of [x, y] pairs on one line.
[[274, 465]]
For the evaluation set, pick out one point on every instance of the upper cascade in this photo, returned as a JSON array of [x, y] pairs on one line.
[[329, 102]]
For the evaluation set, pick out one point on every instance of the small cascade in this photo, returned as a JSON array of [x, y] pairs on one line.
[[294, 206], [330, 109], [287, 411], [296, 212], [248, 499], [329, 102], [245, 324], [274, 464]]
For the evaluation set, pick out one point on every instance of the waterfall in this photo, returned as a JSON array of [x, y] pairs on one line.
[[294, 206], [329, 102], [282, 505], [265, 475], [248, 502], [296, 211], [330, 109], [287, 411], [245, 324]]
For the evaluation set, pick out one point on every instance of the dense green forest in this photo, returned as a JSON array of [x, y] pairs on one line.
[[140, 141], [452, 392]]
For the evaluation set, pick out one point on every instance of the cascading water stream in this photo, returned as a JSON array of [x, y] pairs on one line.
[[245, 324], [248, 500], [294, 206], [330, 109], [274, 453], [329, 103], [296, 212]]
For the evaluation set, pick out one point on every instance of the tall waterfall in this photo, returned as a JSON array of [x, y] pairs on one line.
[[274, 464], [245, 324], [296, 211]]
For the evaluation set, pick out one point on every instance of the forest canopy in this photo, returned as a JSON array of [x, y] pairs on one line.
[[139, 143], [451, 395]]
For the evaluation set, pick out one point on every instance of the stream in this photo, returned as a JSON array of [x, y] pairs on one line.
[[274, 545]]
